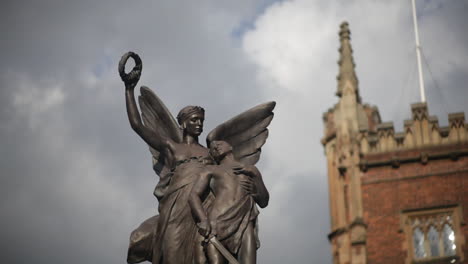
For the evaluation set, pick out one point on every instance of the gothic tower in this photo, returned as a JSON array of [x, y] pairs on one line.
[[342, 125], [394, 197]]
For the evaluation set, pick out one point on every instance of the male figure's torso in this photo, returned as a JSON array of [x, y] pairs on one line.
[[227, 190]]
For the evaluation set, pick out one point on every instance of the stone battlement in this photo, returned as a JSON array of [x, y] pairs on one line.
[[420, 132]]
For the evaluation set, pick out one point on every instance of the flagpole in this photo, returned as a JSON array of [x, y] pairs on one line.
[[418, 54]]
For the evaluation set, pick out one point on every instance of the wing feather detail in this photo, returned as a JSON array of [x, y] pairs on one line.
[[157, 117], [252, 158], [252, 131], [246, 132], [250, 146]]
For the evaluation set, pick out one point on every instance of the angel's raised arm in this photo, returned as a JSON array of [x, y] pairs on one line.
[[154, 140], [158, 128]]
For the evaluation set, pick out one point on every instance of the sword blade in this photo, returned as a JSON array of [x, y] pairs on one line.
[[223, 251]]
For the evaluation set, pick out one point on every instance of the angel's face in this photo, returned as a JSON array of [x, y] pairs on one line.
[[194, 124]]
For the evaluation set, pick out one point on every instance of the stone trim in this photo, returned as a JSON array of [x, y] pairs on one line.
[[369, 182], [328, 138], [441, 260], [423, 155], [457, 217], [337, 232], [422, 131], [358, 221]]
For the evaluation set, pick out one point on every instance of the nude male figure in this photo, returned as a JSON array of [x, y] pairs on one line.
[[231, 218]]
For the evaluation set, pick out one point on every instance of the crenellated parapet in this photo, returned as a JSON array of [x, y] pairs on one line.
[[422, 140], [422, 131], [457, 128]]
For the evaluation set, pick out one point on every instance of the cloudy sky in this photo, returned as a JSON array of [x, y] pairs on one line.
[[76, 180]]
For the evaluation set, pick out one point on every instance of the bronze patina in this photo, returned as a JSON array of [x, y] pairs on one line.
[[206, 195]]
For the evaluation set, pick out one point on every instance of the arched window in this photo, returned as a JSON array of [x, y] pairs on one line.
[[433, 235], [448, 236], [418, 242]]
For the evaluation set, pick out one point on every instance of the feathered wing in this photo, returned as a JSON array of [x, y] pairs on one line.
[[246, 132], [157, 117]]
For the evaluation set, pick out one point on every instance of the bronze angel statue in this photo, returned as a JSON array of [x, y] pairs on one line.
[[207, 195]]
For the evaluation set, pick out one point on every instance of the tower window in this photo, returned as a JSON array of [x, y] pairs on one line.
[[418, 243], [448, 237], [433, 234]]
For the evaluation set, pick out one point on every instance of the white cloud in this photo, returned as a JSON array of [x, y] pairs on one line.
[[291, 47], [287, 43], [35, 98]]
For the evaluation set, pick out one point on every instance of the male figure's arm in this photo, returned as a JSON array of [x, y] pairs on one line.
[[195, 203], [255, 185], [262, 196]]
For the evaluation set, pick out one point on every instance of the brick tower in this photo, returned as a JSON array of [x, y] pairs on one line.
[[394, 197]]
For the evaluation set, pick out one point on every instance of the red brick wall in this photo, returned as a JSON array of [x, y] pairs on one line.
[[388, 191]]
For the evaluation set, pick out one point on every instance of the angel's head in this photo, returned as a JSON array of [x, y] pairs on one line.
[[191, 119], [219, 149]]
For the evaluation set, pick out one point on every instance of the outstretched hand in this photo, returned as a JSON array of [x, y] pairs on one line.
[[247, 170], [130, 79], [247, 183]]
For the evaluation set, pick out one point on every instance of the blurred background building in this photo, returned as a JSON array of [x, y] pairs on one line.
[[395, 197]]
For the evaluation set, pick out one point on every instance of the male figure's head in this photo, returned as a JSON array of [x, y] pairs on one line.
[[219, 150], [191, 119]]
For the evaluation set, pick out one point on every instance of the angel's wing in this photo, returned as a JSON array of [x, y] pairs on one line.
[[246, 132], [157, 117]]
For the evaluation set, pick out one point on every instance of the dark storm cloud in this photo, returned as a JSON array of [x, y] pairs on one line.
[[75, 179]]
